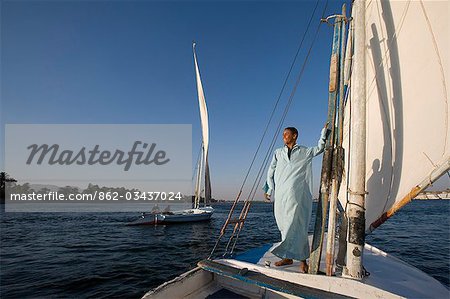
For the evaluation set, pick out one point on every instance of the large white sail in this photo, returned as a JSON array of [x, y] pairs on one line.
[[407, 93], [205, 128]]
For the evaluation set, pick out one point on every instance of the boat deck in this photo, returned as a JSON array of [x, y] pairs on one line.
[[250, 276], [388, 275]]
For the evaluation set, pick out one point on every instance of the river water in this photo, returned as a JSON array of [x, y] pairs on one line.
[[94, 255]]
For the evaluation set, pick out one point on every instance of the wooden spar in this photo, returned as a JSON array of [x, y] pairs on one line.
[[322, 205], [356, 177], [341, 76], [207, 182], [347, 64], [340, 258], [434, 175], [337, 156], [199, 182]]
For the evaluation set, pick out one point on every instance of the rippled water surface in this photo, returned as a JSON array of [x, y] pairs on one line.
[[95, 255]]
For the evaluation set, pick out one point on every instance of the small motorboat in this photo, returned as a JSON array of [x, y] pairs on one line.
[[170, 217]]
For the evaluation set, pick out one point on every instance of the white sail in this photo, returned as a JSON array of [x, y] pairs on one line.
[[203, 108], [205, 128], [407, 95]]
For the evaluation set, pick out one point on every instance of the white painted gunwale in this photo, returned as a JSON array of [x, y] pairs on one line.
[[390, 278]]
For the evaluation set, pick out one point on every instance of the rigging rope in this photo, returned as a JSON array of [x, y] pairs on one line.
[[280, 94], [244, 212], [222, 231], [280, 125]]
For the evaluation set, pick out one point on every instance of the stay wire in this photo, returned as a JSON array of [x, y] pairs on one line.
[[286, 110], [258, 178], [270, 119], [280, 125], [275, 136], [280, 94]]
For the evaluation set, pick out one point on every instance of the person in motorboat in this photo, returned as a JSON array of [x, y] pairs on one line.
[[167, 211], [155, 209], [289, 178]]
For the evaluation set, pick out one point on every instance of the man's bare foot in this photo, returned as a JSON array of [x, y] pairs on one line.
[[303, 267], [284, 262]]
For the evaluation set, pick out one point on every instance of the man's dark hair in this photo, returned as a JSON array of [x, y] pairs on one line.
[[293, 130]]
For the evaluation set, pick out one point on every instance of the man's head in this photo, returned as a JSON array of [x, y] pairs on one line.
[[290, 135]]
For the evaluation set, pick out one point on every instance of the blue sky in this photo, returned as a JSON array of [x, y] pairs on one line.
[[131, 62]]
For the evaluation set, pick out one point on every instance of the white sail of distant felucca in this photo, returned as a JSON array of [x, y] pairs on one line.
[[205, 139], [407, 108], [197, 213]]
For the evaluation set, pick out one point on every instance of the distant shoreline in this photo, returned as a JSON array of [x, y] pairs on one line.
[[433, 195], [434, 198]]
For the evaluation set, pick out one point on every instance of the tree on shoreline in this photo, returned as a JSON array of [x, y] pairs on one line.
[[4, 179]]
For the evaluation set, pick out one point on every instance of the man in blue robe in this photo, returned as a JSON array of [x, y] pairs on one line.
[[290, 178]]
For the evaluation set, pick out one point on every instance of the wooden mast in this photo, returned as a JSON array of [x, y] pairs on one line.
[[338, 155], [322, 205], [357, 172]]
